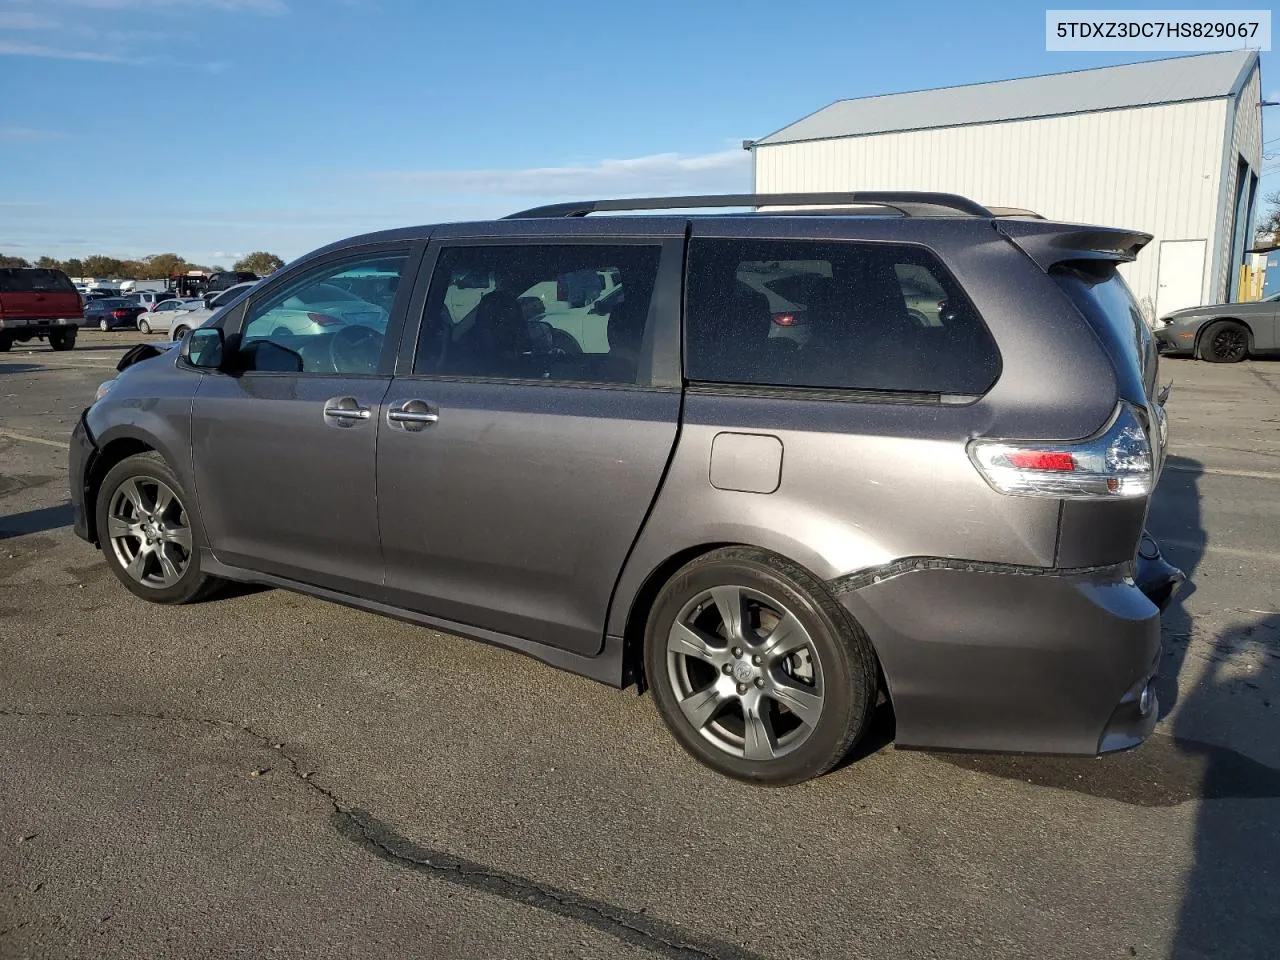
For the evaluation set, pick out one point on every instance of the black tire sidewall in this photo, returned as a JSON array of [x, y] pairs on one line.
[[150, 466], [849, 692], [1207, 351], [62, 340]]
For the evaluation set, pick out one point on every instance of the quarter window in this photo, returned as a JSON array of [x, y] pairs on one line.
[[316, 324], [832, 315], [574, 312]]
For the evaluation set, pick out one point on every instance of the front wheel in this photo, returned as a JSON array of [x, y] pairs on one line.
[[147, 531], [179, 333], [1224, 342], [144, 327], [756, 669], [62, 339]]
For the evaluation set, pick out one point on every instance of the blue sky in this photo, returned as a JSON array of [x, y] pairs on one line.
[[214, 127]]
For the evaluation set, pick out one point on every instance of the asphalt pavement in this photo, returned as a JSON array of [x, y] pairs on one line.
[[269, 775]]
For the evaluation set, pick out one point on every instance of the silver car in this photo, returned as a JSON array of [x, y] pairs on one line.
[[771, 534], [186, 320]]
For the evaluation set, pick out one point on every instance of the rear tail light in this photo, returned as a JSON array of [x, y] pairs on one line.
[[786, 319], [323, 319], [120, 314], [1117, 462]]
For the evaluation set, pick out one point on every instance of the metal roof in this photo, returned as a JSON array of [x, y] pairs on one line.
[[1174, 80]]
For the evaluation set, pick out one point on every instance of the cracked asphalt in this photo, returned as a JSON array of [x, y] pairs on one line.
[[269, 775]]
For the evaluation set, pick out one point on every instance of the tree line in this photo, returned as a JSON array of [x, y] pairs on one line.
[[155, 267]]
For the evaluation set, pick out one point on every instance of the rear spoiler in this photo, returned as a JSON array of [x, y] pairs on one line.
[[1048, 243]]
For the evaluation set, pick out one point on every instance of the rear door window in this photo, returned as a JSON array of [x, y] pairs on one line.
[[546, 312], [832, 315], [35, 280], [1100, 293]]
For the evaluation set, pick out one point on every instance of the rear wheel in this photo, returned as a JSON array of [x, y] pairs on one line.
[[62, 339], [756, 669], [1224, 342], [103, 325], [6, 343], [148, 532]]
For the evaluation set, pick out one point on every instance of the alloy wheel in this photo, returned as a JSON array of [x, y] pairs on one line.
[[745, 672], [1230, 343], [149, 532]]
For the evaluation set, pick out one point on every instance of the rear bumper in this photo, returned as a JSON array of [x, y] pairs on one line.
[[1012, 659], [79, 462], [37, 327]]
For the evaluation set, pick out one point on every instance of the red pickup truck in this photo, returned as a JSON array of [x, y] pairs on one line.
[[38, 303]]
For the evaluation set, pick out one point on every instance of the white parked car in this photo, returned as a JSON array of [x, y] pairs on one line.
[[160, 315], [189, 320], [312, 310], [316, 309]]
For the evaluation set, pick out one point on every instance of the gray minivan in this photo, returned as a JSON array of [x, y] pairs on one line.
[[656, 482]]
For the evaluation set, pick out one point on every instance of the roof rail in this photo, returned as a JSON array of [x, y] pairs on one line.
[[906, 202]]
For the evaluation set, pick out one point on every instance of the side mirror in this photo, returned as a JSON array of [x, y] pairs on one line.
[[204, 348]]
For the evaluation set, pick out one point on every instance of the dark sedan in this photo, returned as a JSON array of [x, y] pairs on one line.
[[1222, 332], [112, 312]]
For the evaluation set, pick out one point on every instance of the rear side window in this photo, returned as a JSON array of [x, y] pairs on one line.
[[35, 280], [833, 315], [1100, 293]]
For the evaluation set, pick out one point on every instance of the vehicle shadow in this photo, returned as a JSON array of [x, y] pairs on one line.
[[1175, 520], [18, 368], [36, 521], [1231, 898]]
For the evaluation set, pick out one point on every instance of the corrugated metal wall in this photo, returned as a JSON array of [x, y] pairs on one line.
[[1246, 142], [1156, 169]]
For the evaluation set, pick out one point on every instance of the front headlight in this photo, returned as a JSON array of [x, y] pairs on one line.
[[103, 389]]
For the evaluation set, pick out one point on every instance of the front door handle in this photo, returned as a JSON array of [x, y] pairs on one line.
[[346, 411], [413, 415]]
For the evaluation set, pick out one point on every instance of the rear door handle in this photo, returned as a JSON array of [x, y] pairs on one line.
[[412, 415], [345, 411]]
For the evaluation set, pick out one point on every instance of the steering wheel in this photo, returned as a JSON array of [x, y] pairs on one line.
[[355, 349], [552, 340]]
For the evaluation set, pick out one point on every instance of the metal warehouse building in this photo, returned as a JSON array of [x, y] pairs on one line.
[[1172, 147]]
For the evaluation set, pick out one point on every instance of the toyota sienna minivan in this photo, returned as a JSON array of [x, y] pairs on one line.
[[658, 484]]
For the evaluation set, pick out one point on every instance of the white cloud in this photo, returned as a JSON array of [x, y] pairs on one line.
[[9, 48], [664, 173], [248, 6], [26, 135], [20, 20]]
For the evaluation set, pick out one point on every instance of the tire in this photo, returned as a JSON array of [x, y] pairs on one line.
[[734, 719], [1224, 341], [179, 333], [62, 340], [144, 327], [103, 325], [6, 343], [169, 571]]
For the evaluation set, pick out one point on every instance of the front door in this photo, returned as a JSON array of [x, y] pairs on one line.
[[519, 455], [1180, 277], [284, 446]]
